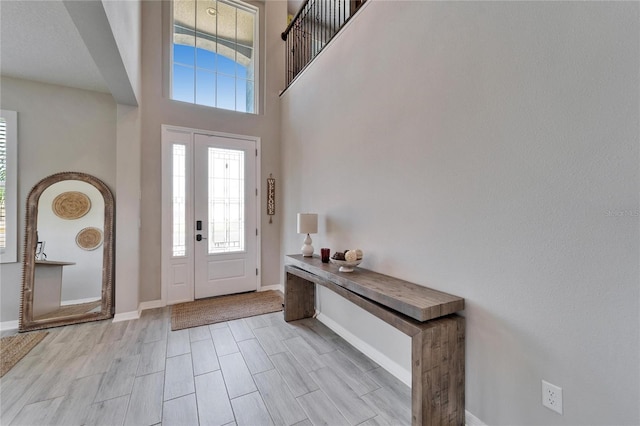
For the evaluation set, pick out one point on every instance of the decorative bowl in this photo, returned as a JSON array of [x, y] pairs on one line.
[[346, 266]]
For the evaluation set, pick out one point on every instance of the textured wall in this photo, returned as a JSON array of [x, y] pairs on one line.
[[489, 150], [59, 129], [158, 109]]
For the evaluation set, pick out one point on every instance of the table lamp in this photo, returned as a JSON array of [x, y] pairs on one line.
[[307, 224]]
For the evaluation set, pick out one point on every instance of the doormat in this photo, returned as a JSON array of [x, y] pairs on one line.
[[224, 308], [14, 348]]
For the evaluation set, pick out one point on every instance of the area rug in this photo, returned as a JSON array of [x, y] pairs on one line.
[[224, 308], [14, 348]]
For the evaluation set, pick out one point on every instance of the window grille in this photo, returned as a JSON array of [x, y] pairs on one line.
[[214, 54]]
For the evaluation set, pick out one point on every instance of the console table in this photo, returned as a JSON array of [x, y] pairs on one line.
[[47, 286], [426, 315]]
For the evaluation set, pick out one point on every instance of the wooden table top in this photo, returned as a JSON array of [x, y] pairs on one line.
[[416, 301]]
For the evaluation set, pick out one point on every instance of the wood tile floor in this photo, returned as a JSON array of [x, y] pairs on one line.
[[253, 371]]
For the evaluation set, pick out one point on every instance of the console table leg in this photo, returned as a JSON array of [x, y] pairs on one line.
[[437, 364], [299, 298]]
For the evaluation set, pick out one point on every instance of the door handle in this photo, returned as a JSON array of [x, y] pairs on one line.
[[198, 225], [199, 237]]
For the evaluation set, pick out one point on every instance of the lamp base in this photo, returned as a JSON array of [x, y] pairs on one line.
[[307, 248]]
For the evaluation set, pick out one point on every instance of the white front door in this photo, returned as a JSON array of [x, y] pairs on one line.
[[225, 223]]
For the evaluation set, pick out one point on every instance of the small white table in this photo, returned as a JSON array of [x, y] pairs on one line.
[[47, 286]]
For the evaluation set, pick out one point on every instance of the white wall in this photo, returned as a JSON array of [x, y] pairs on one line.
[[489, 150], [158, 109], [125, 22], [83, 280], [104, 27], [127, 247], [59, 129]]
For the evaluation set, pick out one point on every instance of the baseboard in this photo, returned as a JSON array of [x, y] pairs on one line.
[[142, 306], [152, 304], [9, 325], [126, 316], [471, 420], [384, 361], [276, 287]]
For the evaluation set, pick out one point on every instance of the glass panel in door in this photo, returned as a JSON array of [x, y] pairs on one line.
[[225, 212]]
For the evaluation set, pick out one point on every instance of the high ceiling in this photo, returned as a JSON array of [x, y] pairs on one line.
[[39, 41]]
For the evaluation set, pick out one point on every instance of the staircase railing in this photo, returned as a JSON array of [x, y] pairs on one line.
[[315, 24]]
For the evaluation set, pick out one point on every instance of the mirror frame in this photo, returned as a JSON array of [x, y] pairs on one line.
[[27, 322]]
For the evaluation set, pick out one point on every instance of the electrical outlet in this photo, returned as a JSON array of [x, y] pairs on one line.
[[552, 397]]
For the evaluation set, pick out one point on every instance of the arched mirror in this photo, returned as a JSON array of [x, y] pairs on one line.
[[68, 252]]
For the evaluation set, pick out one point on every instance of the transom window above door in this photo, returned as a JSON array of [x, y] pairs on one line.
[[214, 54]]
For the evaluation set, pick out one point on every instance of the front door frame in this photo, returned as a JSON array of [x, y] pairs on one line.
[[177, 272]]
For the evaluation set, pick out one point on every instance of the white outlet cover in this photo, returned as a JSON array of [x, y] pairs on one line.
[[552, 397]]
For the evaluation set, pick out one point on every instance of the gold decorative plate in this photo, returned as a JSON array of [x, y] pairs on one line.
[[71, 205], [89, 238]]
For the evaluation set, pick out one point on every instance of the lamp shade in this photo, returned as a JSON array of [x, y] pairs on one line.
[[307, 223]]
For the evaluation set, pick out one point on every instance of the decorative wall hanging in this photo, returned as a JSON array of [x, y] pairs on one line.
[[89, 238], [71, 205], [271, 197]]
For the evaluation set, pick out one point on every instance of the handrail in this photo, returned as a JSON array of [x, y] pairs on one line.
[[292, 23], [315, 24]]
